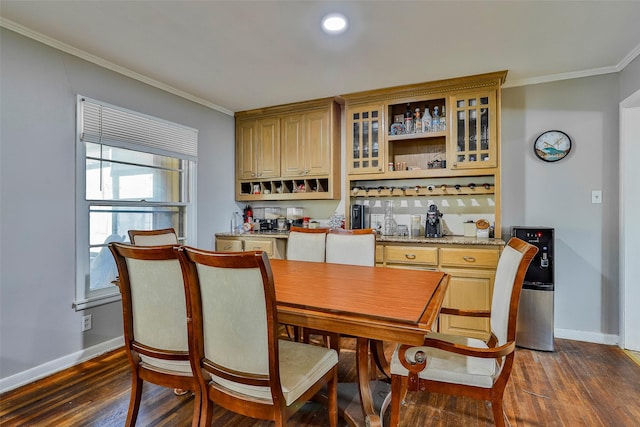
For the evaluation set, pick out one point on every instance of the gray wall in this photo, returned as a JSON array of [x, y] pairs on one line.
[[559, 194], [630, 79], [37, 178]]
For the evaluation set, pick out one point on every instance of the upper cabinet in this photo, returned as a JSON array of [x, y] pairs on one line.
[[289, 152], [429, 129], [365, 138], [258, 148], [306, 144], [473, 134]]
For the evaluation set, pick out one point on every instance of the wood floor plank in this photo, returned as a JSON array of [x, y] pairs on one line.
[[580, 384]]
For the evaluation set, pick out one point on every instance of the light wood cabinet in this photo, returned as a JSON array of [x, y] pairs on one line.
[[472, 269], [306, 144], [456, 155], [365, 139], [258, 148], [289, 152], [273, 246], [474, 139]]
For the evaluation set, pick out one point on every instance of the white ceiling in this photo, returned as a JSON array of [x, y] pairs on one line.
[[238, 55]]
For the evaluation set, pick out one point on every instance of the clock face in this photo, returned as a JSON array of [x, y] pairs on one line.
[[552, 145]]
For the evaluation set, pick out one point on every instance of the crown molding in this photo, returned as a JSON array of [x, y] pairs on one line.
[[577, 74], [10, 25]]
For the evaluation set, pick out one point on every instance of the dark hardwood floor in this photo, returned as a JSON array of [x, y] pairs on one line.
[[580, 384]]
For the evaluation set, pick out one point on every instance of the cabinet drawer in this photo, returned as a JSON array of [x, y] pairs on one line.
[[259, 245], [411, 255], [459, 257], [228, 245]]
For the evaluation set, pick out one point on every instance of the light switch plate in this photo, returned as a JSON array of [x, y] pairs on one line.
[[596, 196]]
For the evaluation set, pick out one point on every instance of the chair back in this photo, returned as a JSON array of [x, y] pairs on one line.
[[153, 303], [231, 299], [355, 247], [306, 244], [512, 267], [165, 236]]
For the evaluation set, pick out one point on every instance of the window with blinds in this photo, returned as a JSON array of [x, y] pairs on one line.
[[134, 172]]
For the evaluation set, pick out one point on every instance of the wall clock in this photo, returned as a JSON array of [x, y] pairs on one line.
[[552, 145]]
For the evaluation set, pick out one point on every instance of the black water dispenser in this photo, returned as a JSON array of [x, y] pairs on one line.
[[535, 314]]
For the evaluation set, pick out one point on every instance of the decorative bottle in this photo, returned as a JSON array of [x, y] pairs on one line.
[[435, 122], [418, 121], [443, 119], [426, 120], [408, 120]]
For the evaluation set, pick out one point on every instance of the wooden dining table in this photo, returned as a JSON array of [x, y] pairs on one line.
[[373, 304]]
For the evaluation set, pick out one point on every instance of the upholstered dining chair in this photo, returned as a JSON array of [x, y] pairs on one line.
[[469, 367], [155, 320], [165, 236], [238, 360], [306, 244], [355, 247]]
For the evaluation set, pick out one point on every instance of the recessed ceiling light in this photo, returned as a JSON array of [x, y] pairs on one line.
[[334, 23]]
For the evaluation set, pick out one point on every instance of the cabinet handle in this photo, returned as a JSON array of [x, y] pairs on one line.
[[410, 256], [253, 175], [469, 258], [226, 248]]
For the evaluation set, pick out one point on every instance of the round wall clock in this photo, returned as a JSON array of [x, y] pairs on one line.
[[552, 145]]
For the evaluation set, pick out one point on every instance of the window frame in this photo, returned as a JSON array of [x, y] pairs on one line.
[[84, 296]]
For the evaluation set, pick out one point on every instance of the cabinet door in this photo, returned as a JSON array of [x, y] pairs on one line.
[[268, 148], [245, 149], [317, 143], [472, 290], [292, 145], [365, 143], [474, 131], [258, 149]]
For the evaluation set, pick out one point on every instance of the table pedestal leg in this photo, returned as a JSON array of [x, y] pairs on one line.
[[366, 399]]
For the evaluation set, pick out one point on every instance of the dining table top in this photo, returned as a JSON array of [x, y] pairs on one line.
[[382, 303]]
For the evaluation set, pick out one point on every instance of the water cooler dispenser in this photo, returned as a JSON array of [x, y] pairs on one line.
[[535, 314]]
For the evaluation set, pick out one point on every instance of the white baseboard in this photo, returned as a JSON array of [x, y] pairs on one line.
[[594, 337], [49, 368]]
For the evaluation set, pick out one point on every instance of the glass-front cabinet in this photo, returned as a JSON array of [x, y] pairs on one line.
[[473, 136], [365, 139]]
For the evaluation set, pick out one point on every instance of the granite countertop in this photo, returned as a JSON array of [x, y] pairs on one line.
[[447, 240]]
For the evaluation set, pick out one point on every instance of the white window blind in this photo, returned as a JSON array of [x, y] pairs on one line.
[[110, 125]]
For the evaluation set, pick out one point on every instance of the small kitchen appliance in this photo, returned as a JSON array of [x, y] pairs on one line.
[[433, 227], [360, 217]]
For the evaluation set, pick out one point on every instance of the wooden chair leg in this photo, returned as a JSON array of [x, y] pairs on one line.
[[134, 400], [332, 404], [206, 411], [398, 393], [197, 408], [499, 417]]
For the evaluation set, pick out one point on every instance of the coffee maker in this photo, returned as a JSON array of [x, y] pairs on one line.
[[360, 217], [433, 227]]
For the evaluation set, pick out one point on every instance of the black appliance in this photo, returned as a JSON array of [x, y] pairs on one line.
[[535, 314], [267, 224], [433, 227], [360, 217]]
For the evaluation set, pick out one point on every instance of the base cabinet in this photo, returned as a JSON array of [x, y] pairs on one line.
[[472, 270], [275, 248]]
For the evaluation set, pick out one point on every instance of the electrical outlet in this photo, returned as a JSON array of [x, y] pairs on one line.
[[86, 322]]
